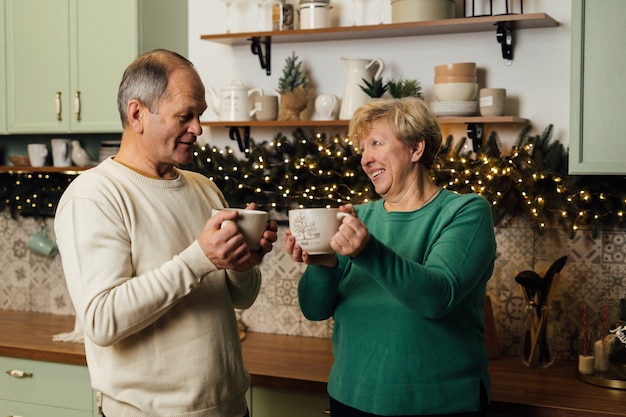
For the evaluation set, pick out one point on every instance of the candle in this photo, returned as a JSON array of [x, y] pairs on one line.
[[584, 329], [585, 364], [601, 362]]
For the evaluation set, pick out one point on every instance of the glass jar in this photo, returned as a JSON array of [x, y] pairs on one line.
[[537, 336], [282, 15]]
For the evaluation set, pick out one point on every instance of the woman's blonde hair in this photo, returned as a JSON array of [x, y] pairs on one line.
[[410, 119]]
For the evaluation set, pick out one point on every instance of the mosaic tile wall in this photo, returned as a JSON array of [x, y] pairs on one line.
[[595, 274]]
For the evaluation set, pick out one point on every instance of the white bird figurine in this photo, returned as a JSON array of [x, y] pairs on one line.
[[80, 156]]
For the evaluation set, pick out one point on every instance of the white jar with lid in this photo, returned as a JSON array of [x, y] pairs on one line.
[[314, 14]]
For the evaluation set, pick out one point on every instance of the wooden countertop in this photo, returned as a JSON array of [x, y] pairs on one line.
[[303, 363]]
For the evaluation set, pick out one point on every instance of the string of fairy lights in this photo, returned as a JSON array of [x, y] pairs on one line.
[[315, 170]]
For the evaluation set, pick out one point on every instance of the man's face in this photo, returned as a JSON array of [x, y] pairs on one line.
[[171, 132]]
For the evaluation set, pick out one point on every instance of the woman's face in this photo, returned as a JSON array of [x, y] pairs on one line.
[[390, 164]]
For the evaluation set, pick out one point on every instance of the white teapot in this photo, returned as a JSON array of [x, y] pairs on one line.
[[234, 102]]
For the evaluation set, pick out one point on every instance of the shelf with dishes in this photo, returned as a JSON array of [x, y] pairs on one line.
[[504, 26], [340, 123], [240, 131], [391, 30]]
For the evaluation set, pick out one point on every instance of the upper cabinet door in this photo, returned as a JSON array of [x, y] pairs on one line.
[[598, 88], [37, 62], [3, 79], [103, 40]]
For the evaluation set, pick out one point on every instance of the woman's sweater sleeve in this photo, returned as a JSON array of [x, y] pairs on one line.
[[460, 253]]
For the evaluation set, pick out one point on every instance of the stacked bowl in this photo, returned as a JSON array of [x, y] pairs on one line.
[[455, 88]]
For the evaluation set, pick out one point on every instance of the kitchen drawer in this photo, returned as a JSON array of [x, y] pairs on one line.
[[14, 408], [275, 402], [51, 384]]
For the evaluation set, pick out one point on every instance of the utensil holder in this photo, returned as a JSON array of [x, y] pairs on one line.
[[537, 336]]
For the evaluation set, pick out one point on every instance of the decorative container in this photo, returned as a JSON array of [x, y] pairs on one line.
[[537, 336], [314, 14], [421, 10]]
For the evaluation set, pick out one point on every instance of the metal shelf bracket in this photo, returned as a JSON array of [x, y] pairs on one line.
[[475, 133], [242, 141], [262, 46], [504, 36]]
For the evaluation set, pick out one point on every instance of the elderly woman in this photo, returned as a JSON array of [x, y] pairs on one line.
[[406, 286]]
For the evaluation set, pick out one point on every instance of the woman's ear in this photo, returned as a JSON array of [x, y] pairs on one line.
[[418, 150]]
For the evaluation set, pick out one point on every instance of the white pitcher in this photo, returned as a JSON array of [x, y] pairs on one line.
[[358, 70]]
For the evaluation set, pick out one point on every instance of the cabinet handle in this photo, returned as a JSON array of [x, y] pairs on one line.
[[57, 104], [77, 104], [16, 373], [14, 416]]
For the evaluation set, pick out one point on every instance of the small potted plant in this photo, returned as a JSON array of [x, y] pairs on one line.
[[293, 87], [374, 88], [404, 88]]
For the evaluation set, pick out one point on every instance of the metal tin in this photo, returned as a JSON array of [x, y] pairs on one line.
[[314, 14]]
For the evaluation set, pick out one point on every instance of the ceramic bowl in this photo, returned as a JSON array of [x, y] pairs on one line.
[[455, 91], [457, 68], [444, 79]]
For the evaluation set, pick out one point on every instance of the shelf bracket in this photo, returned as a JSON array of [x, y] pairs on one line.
[[242, 141], [504, 36], [262, 46], [475, 133]]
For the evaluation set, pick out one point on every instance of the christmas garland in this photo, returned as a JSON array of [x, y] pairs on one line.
[[316, 170]]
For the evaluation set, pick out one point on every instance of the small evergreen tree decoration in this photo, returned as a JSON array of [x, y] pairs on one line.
[[404, 88], [293, 75], [293, 88]]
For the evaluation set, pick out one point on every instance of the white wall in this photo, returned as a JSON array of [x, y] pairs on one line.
[[537, 82]]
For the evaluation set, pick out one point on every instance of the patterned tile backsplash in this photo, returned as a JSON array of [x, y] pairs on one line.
[[595, 274]]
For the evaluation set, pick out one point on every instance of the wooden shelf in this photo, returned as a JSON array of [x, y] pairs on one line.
[[279, 123], [45, 169], [481, 119], [433, 27], [340, 123]]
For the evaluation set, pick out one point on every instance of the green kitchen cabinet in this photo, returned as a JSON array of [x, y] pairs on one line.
[[37, 388], [3, 84], [274, 402], [65, 58], [598, 89]]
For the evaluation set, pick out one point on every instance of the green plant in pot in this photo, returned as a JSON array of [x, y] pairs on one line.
[[404, 88], [293, 86], [374, 88]]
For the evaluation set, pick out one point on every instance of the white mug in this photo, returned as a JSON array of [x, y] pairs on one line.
[[265, 107], [313, 228], [61, 152], [251, 223], [37, 154]]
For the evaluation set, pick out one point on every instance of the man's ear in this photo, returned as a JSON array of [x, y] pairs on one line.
[[418, 150], [135, 113]]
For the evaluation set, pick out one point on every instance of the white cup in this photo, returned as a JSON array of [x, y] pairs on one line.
[[37, 154], [313, 228], [492, 101], [61, 152], [251, 223], [266, 107]]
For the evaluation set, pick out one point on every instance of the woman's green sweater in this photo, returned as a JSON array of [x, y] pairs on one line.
[[408, 332]]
